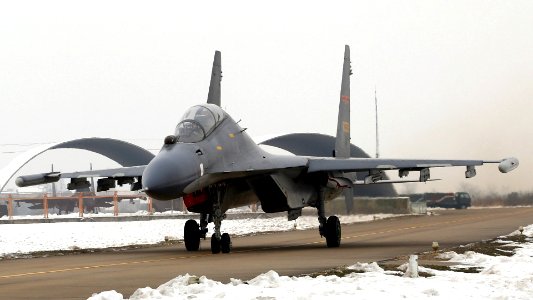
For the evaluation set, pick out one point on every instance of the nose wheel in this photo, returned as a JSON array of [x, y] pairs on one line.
[[220, 245], [219, 241], [225, 243]]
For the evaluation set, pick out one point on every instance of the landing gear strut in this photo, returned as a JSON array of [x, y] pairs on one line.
[[330, 228], [203, 225], [219, 241]]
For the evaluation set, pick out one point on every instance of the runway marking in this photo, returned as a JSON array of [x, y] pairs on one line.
[[463, 220], [100, 266]]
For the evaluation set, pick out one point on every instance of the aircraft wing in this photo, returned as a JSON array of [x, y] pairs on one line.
[[375, 165], [123, 172], [325, 164], [361, 164], [114, 173]]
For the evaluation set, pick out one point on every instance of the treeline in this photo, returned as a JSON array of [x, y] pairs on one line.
[[497, 199]]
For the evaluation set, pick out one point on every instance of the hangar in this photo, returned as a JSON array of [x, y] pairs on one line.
[[127, 155], [124, 153]]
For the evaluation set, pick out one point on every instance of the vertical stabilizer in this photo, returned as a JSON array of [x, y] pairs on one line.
[[342, 142], [216, 77]]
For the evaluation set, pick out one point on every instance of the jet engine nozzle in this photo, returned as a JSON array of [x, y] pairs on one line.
[[508, 164]]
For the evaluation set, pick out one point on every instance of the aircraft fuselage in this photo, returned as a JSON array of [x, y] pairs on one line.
[[188, 170]]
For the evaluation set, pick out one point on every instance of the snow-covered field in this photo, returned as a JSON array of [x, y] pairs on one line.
[[500, 277], [19, 239]]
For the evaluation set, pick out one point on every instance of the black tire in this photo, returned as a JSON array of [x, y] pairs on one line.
[[225, 243], [215, 244], [192, 235], [333, 232]]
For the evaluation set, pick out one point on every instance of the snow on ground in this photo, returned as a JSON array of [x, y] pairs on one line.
[[18, 239], [500, 278], [75, 215]]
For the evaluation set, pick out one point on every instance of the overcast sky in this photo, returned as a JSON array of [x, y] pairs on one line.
[[454, 78]]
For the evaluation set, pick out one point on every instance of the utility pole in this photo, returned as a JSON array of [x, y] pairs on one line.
[[377, 132], [54, 192], [92, 189]]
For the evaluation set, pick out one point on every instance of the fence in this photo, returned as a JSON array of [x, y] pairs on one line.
[[79, 198]]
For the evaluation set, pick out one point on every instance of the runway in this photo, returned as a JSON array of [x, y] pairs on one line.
[[289, 253]]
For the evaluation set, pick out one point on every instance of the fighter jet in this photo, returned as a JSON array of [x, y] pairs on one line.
[[214, 165]]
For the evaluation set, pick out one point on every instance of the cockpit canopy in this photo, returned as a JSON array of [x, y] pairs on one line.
[[198, 122]]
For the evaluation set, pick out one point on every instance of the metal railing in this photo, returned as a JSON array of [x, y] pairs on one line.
[[79, 197]]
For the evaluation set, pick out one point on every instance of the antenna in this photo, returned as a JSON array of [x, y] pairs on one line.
[[377, 132]]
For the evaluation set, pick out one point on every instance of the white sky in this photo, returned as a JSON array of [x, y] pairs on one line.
[[453, 77]]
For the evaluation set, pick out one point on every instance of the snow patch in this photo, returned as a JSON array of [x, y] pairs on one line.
[[501, 278]]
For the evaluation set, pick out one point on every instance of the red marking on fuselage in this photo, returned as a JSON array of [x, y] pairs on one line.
[[195, 198]]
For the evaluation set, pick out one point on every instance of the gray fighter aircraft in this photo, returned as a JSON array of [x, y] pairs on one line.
[[214, 165]]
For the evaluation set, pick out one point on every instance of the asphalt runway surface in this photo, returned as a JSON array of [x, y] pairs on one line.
[[289, 253]]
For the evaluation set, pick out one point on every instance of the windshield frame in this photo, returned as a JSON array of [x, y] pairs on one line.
[[196, 115]]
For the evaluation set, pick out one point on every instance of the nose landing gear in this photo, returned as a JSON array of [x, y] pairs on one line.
[[220, 242], [220, 245]]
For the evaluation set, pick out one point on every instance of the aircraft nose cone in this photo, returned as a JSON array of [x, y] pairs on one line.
[[165, 177]]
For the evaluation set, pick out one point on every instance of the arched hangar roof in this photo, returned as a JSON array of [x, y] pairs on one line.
[[124, 153]]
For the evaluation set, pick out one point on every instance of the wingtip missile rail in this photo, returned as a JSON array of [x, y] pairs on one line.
[[508, 164], [35, 179]]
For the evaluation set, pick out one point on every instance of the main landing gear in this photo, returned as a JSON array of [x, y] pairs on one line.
[[220, 242], [330, 228], [333, 232], [192, 235]]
